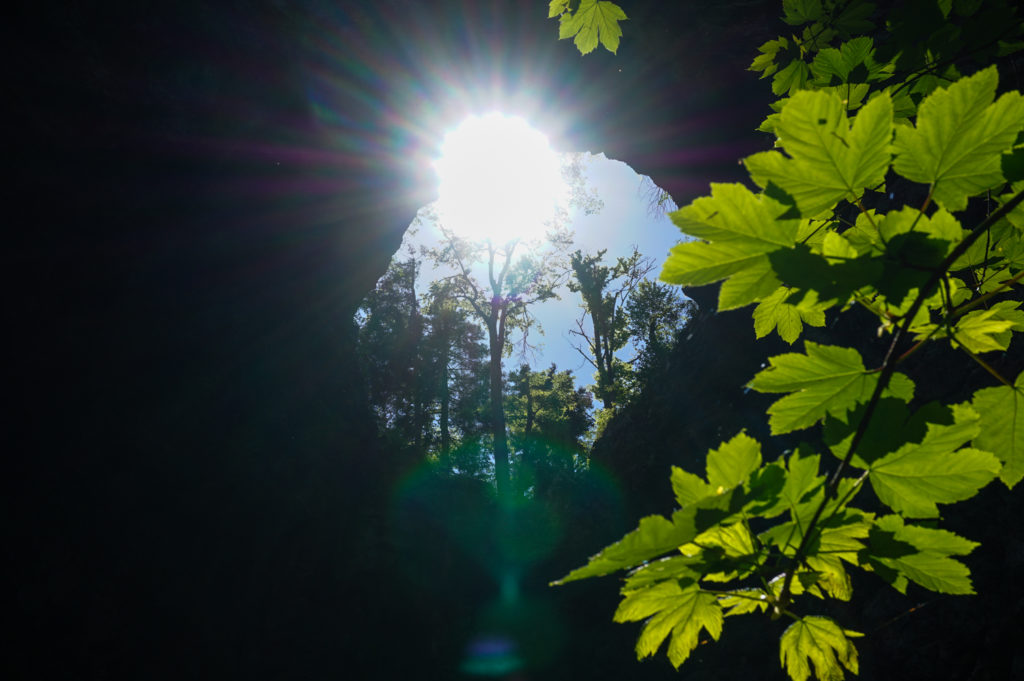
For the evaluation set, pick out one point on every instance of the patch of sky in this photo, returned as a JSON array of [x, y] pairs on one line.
[[629, 218]]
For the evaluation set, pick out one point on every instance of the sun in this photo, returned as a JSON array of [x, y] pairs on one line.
[[499, 179]]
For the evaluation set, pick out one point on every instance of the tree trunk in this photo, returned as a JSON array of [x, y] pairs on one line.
[[602, 355], [446, 438], [496, 335], [529, 407]]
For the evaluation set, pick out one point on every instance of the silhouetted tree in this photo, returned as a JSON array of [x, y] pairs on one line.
[[605, 290], [549, 420]]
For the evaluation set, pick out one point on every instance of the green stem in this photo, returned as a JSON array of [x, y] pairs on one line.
[[961, 310], [860, 204], [848, 497], [971, 304], [980, 361]]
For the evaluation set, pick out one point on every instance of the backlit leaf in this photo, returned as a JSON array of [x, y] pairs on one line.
[[730, 552], [828, 159], [960, 136], [733, 462], [988, 330], [738, 229], [1002, 427], [557, 8], [756, 280], [765, 61], [744, 601], [689, 488], [899, 553], [840, 535], [830, 577], [917, 476], [826, 380], [852, 62], [683, 612], [839, 539], [763, 491], [891, 426], [654, 537], [941, 226], [593, 20], [775, 312], [802, 479], [818, 641], [673, 567], [792, 77], [801, 11], [1016, 216]]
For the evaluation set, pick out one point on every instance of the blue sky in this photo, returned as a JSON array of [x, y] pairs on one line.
[[624, 221]]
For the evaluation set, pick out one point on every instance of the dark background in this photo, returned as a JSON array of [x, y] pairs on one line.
[[199, 194]]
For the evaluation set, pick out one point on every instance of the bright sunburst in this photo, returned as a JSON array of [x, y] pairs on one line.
[[499, 179]]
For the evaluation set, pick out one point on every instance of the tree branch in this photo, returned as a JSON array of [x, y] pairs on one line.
[[888, 369]]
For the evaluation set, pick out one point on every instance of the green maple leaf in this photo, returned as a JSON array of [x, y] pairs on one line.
[[735, 540], [917, 476], [828, 159], [557, 8], [775, 312], [733, 462], [744, 601], [791, 78], [941, 226], [853, 17], [1002, 248], [853, 62], [748, 285], [683, 612], [838, 539], [817, 640], [728, 552], [900, 553], [959, 139], [1002, 427], [829, 576], [739, 229], [654, 537], [674, 568], [907, 244], [1016, 216], [891, 426], [802, 479], [801, 11], [979, 330], [765, 62], [827, 380], [840, 536], [593, 20], [988, 330], [763, 491], [728, 467], [688, 487]]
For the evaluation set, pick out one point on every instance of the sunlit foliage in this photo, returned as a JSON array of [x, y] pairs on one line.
[[911, 106]]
